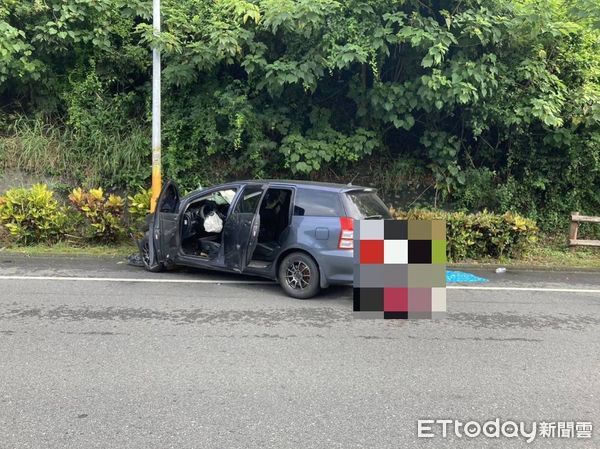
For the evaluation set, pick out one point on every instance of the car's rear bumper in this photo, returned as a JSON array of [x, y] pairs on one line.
[[337, 266]]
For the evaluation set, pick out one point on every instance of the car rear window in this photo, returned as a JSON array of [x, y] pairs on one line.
[[364, 204], [317, 203]]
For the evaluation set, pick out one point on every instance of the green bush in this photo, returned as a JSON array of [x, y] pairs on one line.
[[32, 215], [480, 235], [138, 208], [139, 205], [480, 191], [102, 216]]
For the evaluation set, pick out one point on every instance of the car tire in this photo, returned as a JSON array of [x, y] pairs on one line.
[[145, 255], [299, 276]]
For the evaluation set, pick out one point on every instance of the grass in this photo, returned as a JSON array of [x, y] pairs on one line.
[[553, 257], [109, 155], [66, 249], [551, 253]]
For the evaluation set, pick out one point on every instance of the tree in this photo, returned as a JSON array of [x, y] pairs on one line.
[[496, 103]]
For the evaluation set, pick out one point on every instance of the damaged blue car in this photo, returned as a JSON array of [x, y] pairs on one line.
[[299, 233]]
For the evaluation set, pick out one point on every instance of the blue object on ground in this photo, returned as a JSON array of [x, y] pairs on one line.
[[460, 276]]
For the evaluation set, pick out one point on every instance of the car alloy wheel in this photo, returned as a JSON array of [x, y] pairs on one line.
[[144, 246], [146, 252], [298, 275]]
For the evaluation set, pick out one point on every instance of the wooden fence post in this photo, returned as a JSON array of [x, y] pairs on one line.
[[573, 229]]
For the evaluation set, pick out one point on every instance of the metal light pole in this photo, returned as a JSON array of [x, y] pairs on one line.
[[156, 176]]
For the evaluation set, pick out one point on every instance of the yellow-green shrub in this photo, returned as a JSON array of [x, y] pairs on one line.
[[32, 215], [102, 216], [480, 235], [139, 205]]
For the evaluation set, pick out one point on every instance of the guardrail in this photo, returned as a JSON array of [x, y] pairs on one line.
[[576, 219]]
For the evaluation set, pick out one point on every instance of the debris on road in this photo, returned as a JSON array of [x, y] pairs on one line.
[[135, 260], [461, 276]]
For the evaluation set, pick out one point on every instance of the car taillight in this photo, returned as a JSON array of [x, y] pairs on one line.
[[347, 233]]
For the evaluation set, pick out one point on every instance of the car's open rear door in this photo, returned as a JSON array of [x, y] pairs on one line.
[[240, 233], [163, 230]]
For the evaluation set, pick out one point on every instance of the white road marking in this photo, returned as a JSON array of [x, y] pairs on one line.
[[524, 289], [253, 282]]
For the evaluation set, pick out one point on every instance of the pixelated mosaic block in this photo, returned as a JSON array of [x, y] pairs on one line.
[[399, 269]]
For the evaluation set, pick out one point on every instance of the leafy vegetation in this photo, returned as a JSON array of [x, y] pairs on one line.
[[102, 216], [139, 206], [35, 216], [32, 215], [481, 235], [467, 104]]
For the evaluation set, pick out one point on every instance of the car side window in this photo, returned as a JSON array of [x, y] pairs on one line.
[[248, 203], [170, 200], [312, 202]]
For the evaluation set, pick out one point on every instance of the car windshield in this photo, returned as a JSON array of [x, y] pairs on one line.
[[366, 205], [223, 196]]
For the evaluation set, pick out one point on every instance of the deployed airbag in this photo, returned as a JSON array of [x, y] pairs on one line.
[[213, 223]]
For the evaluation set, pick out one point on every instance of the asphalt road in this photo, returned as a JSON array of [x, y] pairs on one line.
[[226, 363]]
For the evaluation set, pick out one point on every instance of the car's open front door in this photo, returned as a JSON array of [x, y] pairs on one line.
[[163, 230], [240, 234]]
